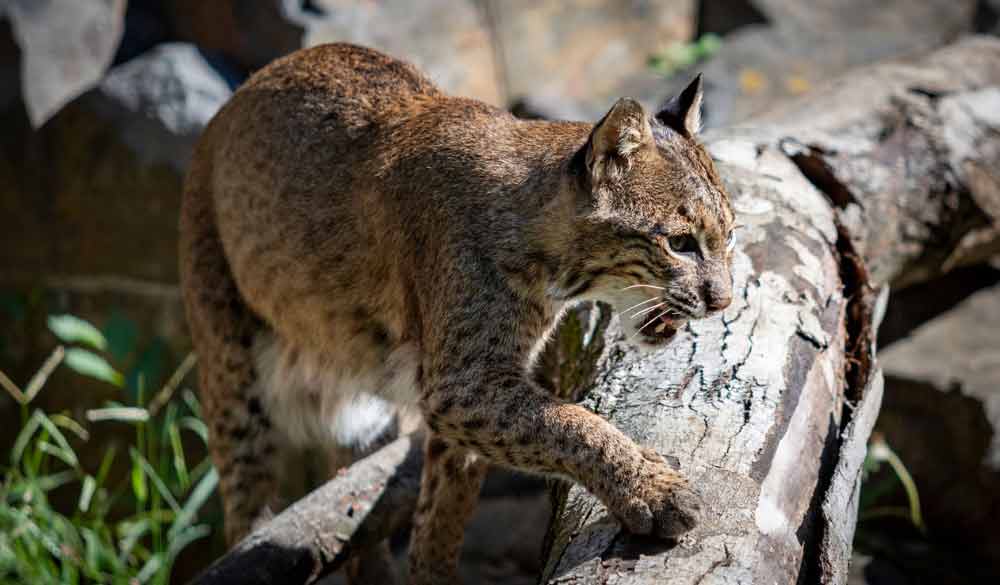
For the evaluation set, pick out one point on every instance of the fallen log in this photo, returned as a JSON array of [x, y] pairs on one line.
[[887, 177], [316, 535]]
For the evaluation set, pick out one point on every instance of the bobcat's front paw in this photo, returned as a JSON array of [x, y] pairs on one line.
[[659, 501]]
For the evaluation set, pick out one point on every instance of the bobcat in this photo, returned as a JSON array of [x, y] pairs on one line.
[[354, 241]]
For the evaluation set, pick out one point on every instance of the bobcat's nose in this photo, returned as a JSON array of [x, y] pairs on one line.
[[718, 294]]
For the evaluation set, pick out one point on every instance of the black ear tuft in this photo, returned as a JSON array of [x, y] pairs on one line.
[[683, 111]]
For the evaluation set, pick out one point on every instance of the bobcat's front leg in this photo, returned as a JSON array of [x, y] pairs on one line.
[[511, 422], [449, 490]]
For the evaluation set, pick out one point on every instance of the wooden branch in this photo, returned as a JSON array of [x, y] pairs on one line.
[[888, 176], [363, 505]]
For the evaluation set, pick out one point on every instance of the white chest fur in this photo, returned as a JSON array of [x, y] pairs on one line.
[[332, 399]]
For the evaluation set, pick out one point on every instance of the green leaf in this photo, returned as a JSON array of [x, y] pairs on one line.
[[127, 414], [139, 483], [72, 329], [200, 493], [709, 44], [66, 452], [49, 449], [150, 568], [195, 425], [87, 493], [130, 532], [180, 463], [92, 365], [154, 477], [21, 443], [69, 424], [179, 542], [51, 482]]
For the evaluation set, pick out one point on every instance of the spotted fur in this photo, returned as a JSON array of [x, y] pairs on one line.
[[351, 237]]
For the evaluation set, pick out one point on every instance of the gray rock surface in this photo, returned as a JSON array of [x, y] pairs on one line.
[[96, 193], [66, 45], [808, 42], [449, 40], [941, 414], [578, 56]]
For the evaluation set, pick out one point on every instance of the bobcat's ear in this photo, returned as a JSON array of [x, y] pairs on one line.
[[622, 131], [683, 111]]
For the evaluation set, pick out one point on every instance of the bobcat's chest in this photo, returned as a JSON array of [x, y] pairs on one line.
[[344, 398]]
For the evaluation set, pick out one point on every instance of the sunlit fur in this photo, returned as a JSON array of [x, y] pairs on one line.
[[352, 236], [662, 184]]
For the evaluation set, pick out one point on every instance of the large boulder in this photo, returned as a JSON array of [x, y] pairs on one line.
[[250, 33], [92, 199], [66, 46], [806, 42], [575, 58], [941, 414], [449, 40]]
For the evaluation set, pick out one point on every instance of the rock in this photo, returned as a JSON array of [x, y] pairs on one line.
[[66, 47], [250, 33], [809, 42], [585, 54], [96, 194], [941, 414], [97, 188], [10, 65], [987, 19], [919, 303], [449, 40]]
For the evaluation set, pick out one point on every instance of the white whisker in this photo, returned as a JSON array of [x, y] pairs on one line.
[[641, 304], [644, 286], [648, 310], [656, 318]]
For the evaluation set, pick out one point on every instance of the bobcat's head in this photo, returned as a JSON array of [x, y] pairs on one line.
[[653, 234]]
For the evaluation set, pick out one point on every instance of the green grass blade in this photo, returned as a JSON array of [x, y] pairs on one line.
[[180, 462], [60, 439], [196, 426], [199, 495], [72, 329], [155, 478], [87, 493], [21, 443], [126, 414], [88, 363], [154, 564]]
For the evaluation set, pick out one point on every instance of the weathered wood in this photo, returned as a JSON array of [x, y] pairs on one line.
[[768, 408], [888, 176], [314, 537]]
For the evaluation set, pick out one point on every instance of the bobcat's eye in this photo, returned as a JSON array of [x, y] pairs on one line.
[[683, 244]]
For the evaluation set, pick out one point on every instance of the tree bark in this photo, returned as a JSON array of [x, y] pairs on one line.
[[888, 176], [315, 536]]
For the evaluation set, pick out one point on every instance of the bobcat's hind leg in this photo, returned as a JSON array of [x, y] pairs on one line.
[[449, 492], [242, 441]]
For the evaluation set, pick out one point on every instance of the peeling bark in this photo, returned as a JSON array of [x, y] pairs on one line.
[[314, 537], [887, 177]]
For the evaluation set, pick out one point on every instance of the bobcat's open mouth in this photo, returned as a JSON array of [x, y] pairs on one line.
[[661, 328]]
